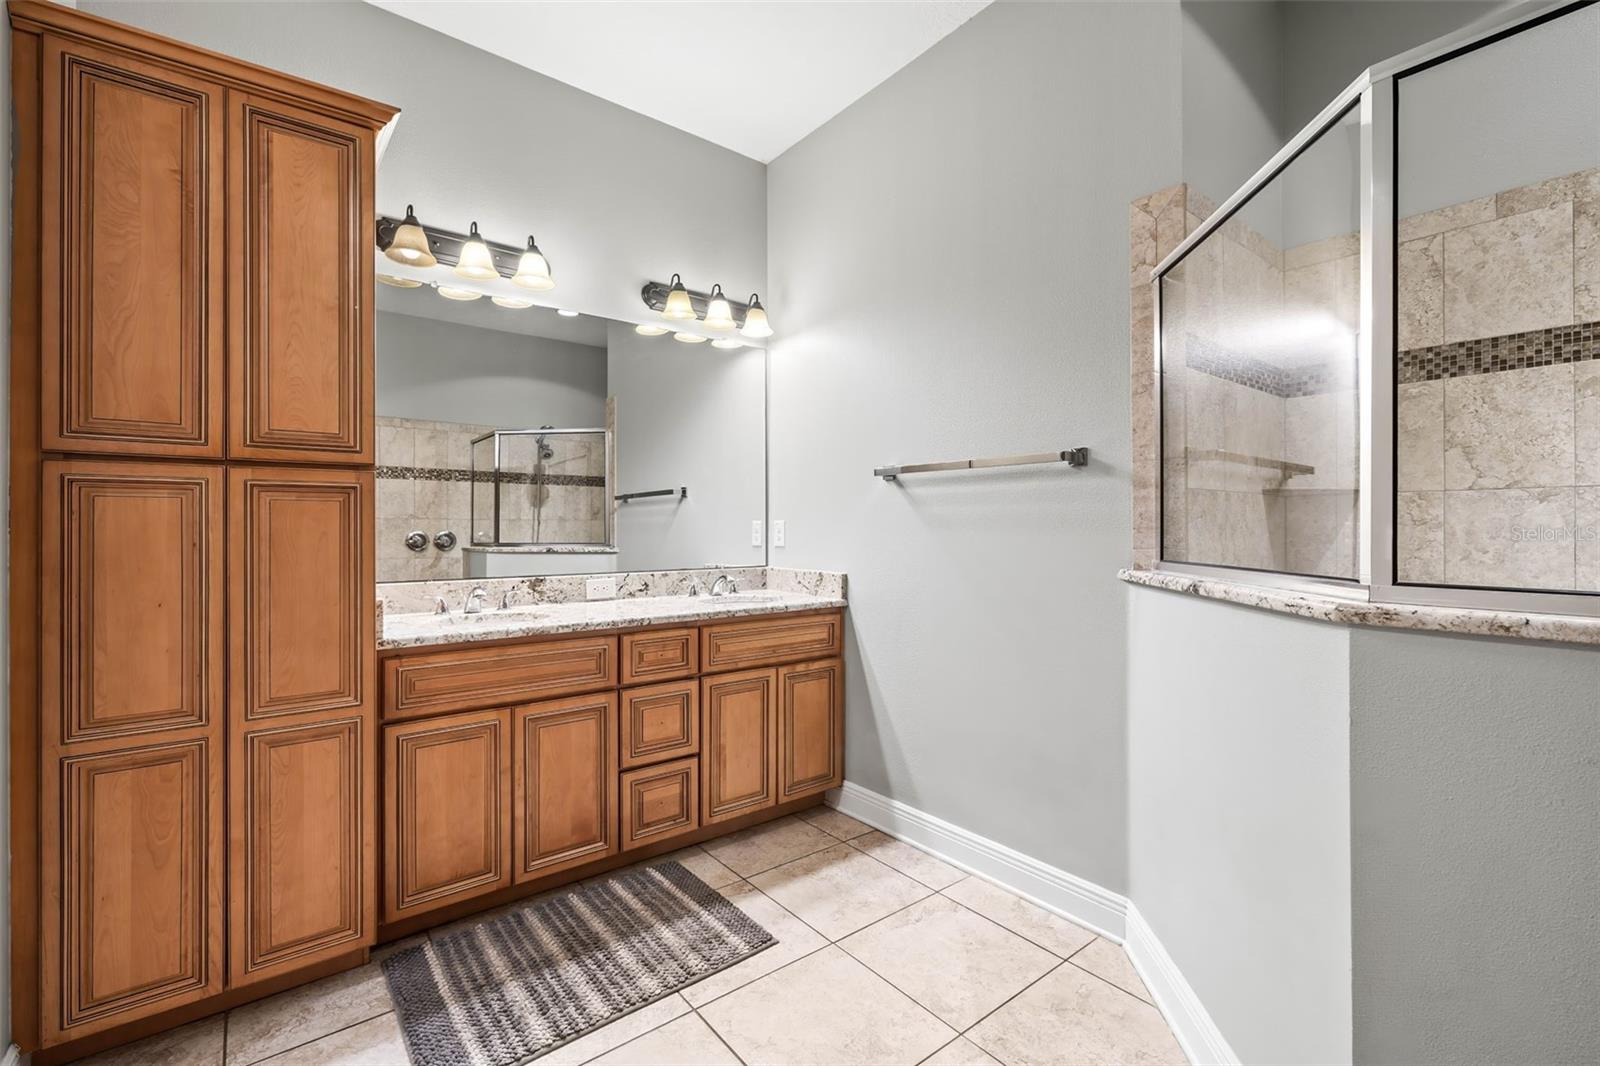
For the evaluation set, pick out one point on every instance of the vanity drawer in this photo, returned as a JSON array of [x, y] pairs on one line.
[[659, 802], [760, 642], [662, 655], [660, 722], [432, 683]]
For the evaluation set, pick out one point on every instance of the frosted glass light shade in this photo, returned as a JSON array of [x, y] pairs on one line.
[[678, 306], [451, 292], [755, 320], [649, 331], [514, 303], [533, 270], [410, 243], [689, 338], [476, 261], [399, 282], [719, 314], [727, 342]]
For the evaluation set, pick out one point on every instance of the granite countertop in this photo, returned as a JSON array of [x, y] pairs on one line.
[[540, 619]]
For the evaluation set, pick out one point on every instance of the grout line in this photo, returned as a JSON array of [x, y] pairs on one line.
[[313, 1040], [1018, 932], [696, 1012], [1108, 981], [1007, 1003]]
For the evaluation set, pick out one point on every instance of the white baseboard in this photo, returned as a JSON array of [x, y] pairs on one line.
[[1053, 889], [1191, 1023], [12, 1056], [1108, 913]]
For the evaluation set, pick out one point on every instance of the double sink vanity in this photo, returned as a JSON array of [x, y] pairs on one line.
[[530, 739]]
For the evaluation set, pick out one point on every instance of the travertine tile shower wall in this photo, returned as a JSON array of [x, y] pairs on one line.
[[1259, 460], [424, 481], [1498, 451]]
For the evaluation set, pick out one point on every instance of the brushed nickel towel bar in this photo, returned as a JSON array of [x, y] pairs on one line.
[[1072, 457], [682, 492]]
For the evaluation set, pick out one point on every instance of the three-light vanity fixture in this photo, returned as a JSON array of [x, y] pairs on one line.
[[468, 256], [713, 311]]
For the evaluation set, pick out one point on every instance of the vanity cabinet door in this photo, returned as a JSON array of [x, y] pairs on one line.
[[300, 276], [302, 779], [565, 782], [738, 739], [446, 810], [810, 728], [131, 255]]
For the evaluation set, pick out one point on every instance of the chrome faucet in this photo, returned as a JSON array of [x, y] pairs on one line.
[[723, 585], [475, 600]]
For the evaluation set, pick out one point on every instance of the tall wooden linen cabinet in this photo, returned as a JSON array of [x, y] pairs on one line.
[[193, 665]]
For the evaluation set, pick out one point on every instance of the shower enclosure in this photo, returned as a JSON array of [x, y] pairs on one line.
[[1379, 361], [544, 487]]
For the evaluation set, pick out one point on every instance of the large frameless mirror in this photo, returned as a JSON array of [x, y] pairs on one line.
[[519, 441]]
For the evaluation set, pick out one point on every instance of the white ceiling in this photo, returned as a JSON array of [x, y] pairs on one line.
[[751, 75]]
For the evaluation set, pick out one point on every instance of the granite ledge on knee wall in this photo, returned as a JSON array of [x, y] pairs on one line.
[[1521, 625]]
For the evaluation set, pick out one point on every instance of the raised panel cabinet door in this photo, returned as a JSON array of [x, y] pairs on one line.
[[446, 810], [133, 879], [810, 728], [300, 278], [302, 838], [564, 773], [132, 255], [301, 614], [738, 744], [132, 611]]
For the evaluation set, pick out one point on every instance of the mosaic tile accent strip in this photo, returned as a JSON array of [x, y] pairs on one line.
[[1514, 351], [439, 473], [1258, 374]]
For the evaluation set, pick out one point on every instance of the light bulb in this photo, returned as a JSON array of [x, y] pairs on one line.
[[564, 313], [410, 243], [451, 292], [678, 307], [719, 315], [514, 303], [727, 342], [399, 282], [755, 320], [689, 338], [476, 262], [533, 270], [649, 331]]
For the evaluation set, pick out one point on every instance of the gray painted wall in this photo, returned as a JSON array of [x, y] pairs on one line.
[[1239, 816], [482, 138], [448, 372], [694, 415], [1233, 87], [951, 257], [1475, 781]]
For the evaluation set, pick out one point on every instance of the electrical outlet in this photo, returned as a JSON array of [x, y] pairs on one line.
[[755, 533], [600, 588], [777, 533]]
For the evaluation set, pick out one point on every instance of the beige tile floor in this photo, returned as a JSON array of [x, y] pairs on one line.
[[885, 954]]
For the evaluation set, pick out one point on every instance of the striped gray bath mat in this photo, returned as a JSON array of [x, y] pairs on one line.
[[514, 987]]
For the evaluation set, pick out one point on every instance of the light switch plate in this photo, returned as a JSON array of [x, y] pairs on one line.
[[600, 588], [755, 533], [777, 533]]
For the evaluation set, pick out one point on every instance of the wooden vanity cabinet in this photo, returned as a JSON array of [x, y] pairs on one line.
[[810, 728], [739, 738]]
